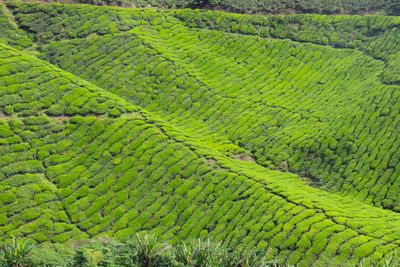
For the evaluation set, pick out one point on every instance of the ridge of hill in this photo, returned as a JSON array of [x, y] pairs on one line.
[[159, 121]]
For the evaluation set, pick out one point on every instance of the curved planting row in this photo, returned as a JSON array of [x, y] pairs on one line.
[[375, 35]]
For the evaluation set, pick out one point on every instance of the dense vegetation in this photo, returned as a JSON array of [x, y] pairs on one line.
[[145, 251], [389, 7], [278, 133], [230, 86], [140, 251], [308, 6]]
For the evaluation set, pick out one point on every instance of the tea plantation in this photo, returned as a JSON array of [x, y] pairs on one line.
[[278, 133], [383, 7]]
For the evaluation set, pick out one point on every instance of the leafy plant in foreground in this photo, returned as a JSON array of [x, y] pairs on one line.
[[199, 253], [147, 250], [14, 254]]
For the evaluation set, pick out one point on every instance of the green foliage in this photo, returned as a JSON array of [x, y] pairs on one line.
[[54, 93], [9, 32], [254, 109], [14, 254], [149, 251], [51, 255], [244, 104], [200, 253], [309, 6], [266, 6]]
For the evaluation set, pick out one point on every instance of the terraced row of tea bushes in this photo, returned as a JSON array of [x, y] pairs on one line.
[[9, 33], [375, 35], [265, 96], [307, 6], [388, 7], [144, 3], [148, 3], [30, 86]]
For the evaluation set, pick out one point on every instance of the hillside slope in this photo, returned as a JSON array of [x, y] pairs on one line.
[[100, 175], [81, 158], [288, 98]]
